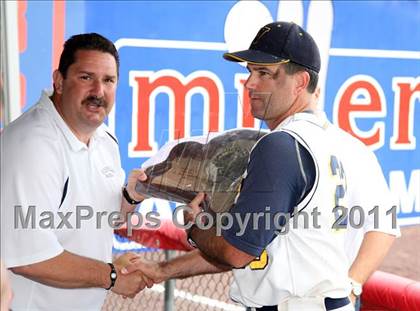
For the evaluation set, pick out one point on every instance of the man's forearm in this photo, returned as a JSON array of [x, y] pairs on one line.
[[68, 270], [210, 244], [126, 208], [190, 264], [373, 250], [136, 175], [217, 250]]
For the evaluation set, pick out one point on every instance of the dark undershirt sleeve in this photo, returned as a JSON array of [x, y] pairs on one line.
[[273, 187]]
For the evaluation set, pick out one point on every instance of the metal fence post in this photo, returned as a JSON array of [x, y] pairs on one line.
[[9, 61], [169, 287]]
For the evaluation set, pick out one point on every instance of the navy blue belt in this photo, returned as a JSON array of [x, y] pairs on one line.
[[330, 304]]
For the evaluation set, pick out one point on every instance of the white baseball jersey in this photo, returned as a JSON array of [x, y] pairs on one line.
[[309, 260], [368, 195]]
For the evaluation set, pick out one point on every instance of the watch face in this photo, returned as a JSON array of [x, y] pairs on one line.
[[113, 275]]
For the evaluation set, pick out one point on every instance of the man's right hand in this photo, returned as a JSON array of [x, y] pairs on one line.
[[128, 285]]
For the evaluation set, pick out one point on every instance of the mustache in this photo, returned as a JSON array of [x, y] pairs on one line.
[[100, 102]]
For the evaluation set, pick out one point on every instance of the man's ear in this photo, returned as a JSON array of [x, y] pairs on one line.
[[301, 81], [58, 81]]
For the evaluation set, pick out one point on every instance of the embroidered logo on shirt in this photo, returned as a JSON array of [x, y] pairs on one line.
[[108, 171]]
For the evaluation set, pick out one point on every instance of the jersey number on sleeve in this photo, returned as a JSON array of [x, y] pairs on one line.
[[340, 211]]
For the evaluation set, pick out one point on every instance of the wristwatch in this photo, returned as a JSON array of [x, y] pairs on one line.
[[189, 238], [356, 287], [126, 196], [112, 276]]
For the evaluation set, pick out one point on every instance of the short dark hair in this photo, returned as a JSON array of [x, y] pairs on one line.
[[88, 41], [292, 68]]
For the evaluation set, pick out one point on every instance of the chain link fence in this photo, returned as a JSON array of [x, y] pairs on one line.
[[201, 293]]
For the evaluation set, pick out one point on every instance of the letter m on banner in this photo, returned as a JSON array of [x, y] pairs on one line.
[[147, 85]]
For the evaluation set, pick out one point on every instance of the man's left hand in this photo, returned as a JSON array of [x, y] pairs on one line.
[[135, 176], [190, 216]]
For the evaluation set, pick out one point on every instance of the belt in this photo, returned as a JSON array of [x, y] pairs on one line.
[[330, 304]]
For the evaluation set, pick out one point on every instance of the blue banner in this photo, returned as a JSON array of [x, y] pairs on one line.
[[174, 82]]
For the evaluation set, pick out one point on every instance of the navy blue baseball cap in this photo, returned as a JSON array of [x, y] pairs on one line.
[[280, 42]]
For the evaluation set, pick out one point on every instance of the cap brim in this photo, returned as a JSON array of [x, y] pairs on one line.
[[254, 57]]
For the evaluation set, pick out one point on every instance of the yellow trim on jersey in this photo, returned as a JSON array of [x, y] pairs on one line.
[[260, 262]]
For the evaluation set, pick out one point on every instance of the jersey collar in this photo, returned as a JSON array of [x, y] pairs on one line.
[[317, 117]]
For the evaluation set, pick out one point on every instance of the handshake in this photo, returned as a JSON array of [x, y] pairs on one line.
[[135, 273]]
